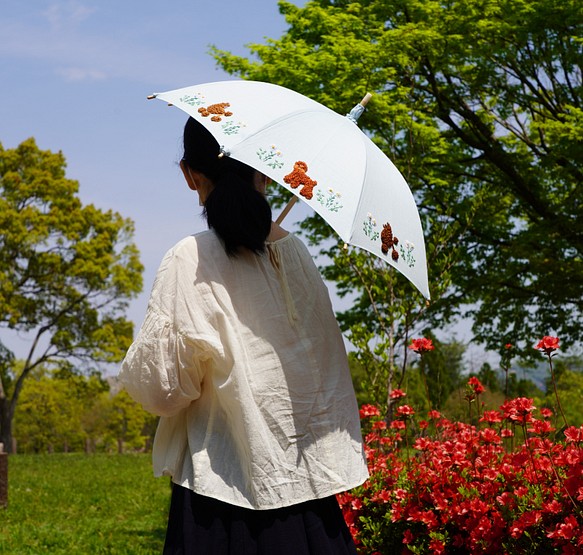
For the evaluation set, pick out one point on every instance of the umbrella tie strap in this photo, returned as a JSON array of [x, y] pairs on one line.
[[277, 263]]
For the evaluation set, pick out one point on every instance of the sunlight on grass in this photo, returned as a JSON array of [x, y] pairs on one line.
[[75, 503]]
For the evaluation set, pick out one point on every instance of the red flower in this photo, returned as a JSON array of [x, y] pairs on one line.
[[508, 346], [546, 413], [421, 345], [422, 444], [574, 435], [434, 414], [566, 530], [476, 385], [405, 410], [541, 427], [398, 425], [548, 344], [490, 436], [369, 410], [437, 546], [408, 537], [518, 410], [397, 394], [491, 416]]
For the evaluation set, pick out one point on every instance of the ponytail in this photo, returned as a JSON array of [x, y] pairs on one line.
[[239, 214]]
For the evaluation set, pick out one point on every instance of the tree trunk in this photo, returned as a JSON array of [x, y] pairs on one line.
[[5, 424]]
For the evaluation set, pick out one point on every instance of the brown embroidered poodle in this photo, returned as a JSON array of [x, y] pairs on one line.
[[217, 110], [299, 177], [389, 241]]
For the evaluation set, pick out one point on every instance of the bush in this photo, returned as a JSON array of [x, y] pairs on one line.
[[510, 484]]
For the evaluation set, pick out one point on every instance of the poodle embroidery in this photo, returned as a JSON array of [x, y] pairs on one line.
[[389, 241], [299, 177], [215, 110]]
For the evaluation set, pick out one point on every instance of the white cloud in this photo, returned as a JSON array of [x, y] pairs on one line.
[[65, 14], [75, 55], [81, 74]]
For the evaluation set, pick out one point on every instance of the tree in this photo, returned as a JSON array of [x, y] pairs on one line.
[[479, 103], [64, 410], [570, 390], [48, 416], [67, 271], [127, 422]]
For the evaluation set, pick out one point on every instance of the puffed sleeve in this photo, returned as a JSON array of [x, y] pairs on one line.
[[165, 366], [163, 369]]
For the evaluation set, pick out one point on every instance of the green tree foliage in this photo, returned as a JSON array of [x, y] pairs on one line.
[[568, 373], [63, 411], [489, 378], [49, 417], [570, 390], [442, 369], [67, 271], [479, 103]]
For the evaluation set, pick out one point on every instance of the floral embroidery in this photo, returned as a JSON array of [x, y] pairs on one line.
[[407, 253], [389, 242], [232, 128], [192, 100], [298, 177], [330, 201], [270, 157], [215, 111], [368, 227]]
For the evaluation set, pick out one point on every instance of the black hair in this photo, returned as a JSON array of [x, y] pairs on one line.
[[235, 209]]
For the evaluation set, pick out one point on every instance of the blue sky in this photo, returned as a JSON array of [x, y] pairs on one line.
[[75, 75]]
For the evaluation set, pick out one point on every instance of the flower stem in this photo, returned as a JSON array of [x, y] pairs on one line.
[[555, 388]]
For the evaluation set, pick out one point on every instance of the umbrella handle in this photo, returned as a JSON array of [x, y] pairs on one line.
[[365, 100], [286, 210]]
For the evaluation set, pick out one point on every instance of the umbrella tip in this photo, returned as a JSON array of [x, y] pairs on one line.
[[357, 111], [151, 96]]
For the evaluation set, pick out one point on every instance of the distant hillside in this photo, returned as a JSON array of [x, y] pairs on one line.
[[540, 373]]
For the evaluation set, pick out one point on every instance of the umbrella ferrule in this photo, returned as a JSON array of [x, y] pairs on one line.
[[223, 152], [355, 113]]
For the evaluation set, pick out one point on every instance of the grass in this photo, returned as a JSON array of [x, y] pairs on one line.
[[83, 504]]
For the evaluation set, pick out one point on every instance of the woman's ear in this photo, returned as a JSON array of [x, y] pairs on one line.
[[188, 175]]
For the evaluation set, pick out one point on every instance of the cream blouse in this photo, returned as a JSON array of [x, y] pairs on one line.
[[244, 361]]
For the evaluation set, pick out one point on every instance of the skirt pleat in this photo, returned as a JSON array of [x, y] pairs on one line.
[[205, 526]]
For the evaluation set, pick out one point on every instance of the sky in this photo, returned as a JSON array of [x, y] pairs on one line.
[[75, 74]]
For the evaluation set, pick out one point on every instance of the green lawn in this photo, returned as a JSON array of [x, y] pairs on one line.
[[86, 504]]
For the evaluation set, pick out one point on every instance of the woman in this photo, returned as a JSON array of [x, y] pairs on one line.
[[241, 356]]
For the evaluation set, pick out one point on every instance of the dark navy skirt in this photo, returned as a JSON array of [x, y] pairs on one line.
[[205, 526]]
